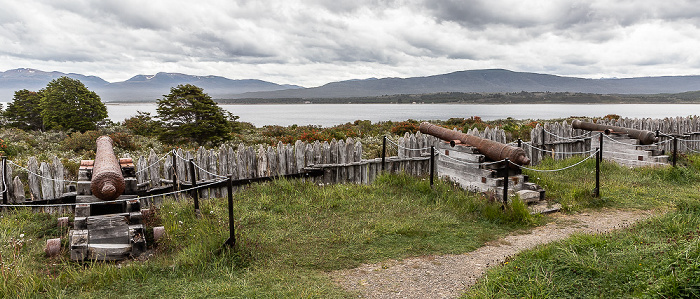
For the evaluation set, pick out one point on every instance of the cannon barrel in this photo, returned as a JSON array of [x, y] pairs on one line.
[[644, 136], [107, 180], [489, 148]]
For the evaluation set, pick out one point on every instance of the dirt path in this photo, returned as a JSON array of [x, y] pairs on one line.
[[447, 276]]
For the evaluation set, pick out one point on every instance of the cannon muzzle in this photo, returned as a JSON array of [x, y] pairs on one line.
[[491, 149], [107, 180], [644, 136]]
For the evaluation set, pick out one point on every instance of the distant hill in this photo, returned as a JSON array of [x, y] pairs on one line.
[[139, 88], [143, 88], [493, 80]]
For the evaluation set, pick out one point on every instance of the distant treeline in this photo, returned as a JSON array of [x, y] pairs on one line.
[[522, 97]]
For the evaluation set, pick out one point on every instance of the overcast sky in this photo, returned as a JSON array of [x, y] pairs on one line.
[[314, 42]]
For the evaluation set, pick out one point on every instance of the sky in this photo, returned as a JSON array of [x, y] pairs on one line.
[[313, 42]]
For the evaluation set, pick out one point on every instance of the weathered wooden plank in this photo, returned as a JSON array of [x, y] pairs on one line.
[[291, 161], [299, 157], [272, 163], [17, 191], [58, 174], [182, 166], [232, 163], [262, 162], [154, 169], [47, 191], [281, 158], [34, 185], [10, 187]]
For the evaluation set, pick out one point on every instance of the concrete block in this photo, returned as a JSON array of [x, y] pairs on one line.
[[528, 196]]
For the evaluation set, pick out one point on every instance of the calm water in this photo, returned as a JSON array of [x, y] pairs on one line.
[[333, 114]]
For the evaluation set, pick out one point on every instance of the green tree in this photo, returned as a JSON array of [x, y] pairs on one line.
[[143, 124], [24, 111], [189, 115], [67, 104]]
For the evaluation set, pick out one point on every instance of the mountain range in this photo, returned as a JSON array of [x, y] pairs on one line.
[[145, 88], [140, 88]]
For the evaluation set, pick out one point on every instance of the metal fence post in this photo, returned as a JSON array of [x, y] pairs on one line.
[[432, 165], [195, 191], [520, 142], [505, 181], [383, 152], [600, 140], [175, 182], [598, 157], [231, 228]]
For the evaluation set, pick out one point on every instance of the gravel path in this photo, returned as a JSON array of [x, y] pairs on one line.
[[447, 276]]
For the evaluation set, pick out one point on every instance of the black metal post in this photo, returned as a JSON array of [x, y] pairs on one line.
[[600, 148], [675, 150], [596, 191], [505, 181], [520, 142], [195, 191], [176, 185], [383, 152], [231, 228], [432, 165], [4, 183]]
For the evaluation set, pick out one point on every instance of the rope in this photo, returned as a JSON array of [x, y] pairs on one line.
[[554, 170], [117, 200], [575, 138], [613, 140], [43, 177], [202, 169], [408, 149], [568, 153], [471, 163], [154, 163]]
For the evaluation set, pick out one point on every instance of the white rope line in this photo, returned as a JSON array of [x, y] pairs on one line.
[[408, 149], [471, 163], [574, 138], [665, 141], [43, 177], [154, 163], [637, 161], [5, 185], [613, 140], [116, 200], [182, 191], [554, 170], [563, 153], [202, 169], [684, 140]]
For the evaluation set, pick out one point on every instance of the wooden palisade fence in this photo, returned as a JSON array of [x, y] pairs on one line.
[[341, 161]]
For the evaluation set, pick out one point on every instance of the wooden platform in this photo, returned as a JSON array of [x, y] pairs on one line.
[[107, 231]]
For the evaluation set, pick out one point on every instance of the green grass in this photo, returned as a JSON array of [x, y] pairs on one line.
[[659, 258], [290, 235], [621, 187]]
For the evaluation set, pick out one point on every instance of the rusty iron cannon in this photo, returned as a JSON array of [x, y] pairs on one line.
[[491, 149], [107, 181], [644, 136]]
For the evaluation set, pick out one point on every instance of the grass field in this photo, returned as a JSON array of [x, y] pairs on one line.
[[291, 233]]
